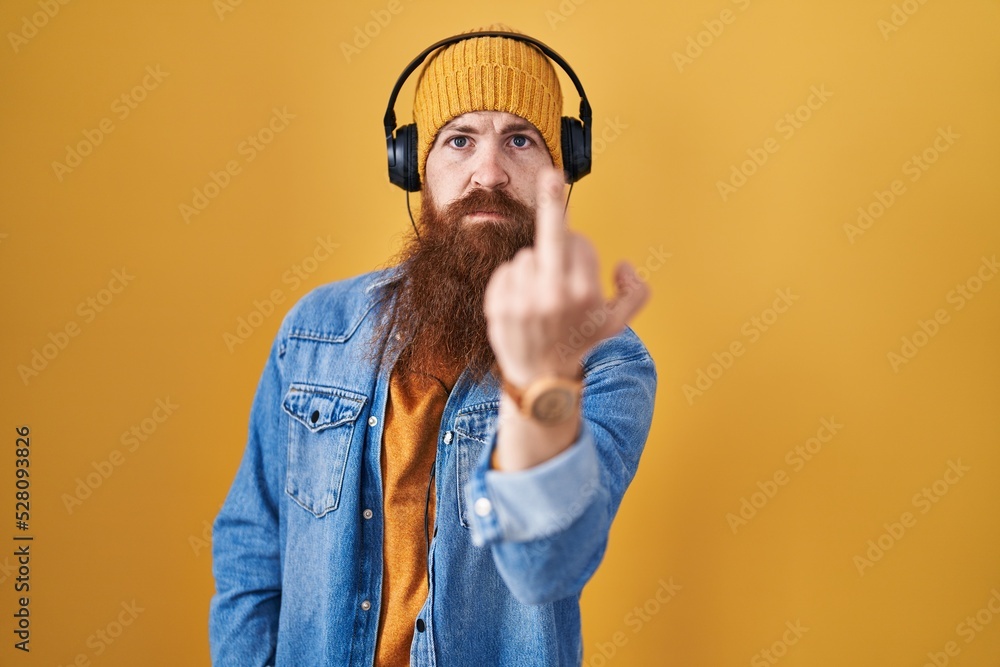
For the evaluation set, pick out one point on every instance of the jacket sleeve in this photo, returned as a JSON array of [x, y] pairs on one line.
[[246, 562], [548, 525]]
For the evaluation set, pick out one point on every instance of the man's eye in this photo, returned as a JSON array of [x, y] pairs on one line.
[[463, 141], [521, 138]]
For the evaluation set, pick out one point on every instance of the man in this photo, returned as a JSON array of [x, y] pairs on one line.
[[437, 449]]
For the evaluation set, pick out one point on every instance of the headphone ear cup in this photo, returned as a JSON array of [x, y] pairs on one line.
[[575, 140], [402, 150]]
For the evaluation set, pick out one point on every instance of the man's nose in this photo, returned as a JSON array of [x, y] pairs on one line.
[[490, 169]]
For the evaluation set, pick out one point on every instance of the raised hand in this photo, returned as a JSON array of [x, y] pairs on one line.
[[545, 308]]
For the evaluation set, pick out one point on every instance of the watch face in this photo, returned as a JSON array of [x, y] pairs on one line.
[[554, 405]]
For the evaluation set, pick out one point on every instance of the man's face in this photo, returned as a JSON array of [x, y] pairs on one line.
[[485, 150], [476, 212]]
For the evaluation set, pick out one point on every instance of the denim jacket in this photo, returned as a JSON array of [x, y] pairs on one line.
[[297, 544]]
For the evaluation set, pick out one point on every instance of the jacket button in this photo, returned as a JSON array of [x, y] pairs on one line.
[[314, 416], [420, 625], [367, 514], [447, 438], [366, 605], [372, 421], [483, 506]]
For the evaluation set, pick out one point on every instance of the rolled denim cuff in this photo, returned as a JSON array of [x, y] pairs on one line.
[[534, 503]]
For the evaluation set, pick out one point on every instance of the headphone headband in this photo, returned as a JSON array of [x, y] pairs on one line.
[[402, 144]]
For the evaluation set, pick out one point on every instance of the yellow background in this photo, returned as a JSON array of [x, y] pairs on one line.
[[681, 127]]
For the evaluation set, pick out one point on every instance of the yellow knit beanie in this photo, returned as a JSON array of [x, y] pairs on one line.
[[488, 74]]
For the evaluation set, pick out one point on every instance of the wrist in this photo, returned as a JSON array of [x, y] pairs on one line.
[[548, 399], [523, 377], [523, 442]]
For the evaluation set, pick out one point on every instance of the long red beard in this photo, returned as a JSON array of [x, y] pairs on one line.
[[436, 319]]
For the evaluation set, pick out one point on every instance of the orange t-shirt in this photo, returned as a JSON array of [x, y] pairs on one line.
[[409, 445]]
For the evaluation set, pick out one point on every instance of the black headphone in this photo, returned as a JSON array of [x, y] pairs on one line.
[[402, 147]]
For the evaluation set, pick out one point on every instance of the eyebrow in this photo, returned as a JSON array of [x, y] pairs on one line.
[[514, 126]]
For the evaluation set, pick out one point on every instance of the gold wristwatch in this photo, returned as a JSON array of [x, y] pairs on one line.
[[549, 399]]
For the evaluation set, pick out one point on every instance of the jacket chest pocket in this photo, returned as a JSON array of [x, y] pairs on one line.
[[319, 440], [473, 428]]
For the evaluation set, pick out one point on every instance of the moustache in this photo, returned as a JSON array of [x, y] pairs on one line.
[[481, 200]]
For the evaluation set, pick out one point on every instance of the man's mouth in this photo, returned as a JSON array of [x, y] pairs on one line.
[[485, 214]]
